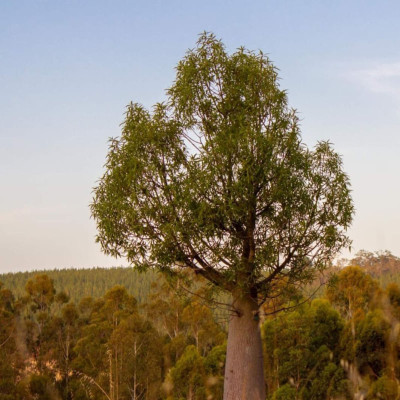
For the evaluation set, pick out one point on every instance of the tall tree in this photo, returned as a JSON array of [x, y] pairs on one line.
[[40, 297], [218, 180], [100, 358], [10, 363], [60, 335]]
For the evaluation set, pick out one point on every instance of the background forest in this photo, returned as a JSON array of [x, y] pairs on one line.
[[117, 334]]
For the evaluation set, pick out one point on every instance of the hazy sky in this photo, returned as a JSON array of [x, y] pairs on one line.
[[68, 69]]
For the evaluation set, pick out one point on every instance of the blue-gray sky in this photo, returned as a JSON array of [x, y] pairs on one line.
[[68, 69]]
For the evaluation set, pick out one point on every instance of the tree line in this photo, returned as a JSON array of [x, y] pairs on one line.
[[172, 346]]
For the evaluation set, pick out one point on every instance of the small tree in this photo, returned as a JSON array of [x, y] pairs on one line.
[[217, 180]]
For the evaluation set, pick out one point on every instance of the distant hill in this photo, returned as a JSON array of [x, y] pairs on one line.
[[381, 265], [78, 283]]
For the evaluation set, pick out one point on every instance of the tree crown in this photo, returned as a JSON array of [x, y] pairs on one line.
[[217, 179]]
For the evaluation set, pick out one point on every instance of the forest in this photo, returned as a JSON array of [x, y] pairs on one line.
[[140, 336]]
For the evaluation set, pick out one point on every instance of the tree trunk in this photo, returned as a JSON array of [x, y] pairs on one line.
[[244, 373]]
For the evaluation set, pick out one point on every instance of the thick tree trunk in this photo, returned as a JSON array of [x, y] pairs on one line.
[[244, 373]]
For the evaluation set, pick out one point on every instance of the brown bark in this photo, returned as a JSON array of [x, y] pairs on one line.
[[244, 373]]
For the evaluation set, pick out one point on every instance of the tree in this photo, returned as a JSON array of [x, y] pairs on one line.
[[218, 180], [352, 290], [373, 335], [114, 341], [40, 296], [202, 326], [60, 335], [10, 362], [187, 378], [41, 292], [138, 345]]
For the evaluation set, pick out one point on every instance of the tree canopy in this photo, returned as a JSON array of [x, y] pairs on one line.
[[218, 180]]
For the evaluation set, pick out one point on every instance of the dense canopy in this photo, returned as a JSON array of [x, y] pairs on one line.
[[217, 179]]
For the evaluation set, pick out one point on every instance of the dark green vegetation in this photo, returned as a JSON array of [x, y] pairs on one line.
[[171, 345], [217, 180]]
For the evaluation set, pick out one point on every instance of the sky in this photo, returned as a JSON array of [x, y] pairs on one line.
[[68, 69]]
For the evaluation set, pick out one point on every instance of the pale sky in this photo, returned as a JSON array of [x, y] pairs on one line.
[[68, 69]]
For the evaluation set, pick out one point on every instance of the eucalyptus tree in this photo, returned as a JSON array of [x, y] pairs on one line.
[[218, 180]]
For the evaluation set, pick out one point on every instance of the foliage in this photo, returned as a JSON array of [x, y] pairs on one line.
[[302, 353], [372, 343], [285, 392], [384, 388], [188, 376]]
